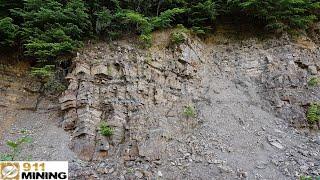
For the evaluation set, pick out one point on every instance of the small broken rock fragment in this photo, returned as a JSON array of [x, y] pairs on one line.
[[275, 142]]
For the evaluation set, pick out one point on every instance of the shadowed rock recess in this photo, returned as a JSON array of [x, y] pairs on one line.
[[249, 97]]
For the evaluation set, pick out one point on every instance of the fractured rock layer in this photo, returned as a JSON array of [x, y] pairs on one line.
[[129, 90], [235, 92]]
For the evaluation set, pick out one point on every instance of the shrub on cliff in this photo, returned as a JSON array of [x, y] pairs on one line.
[[46, 29], [281, 15], [8, 32], [313, 113], [50, 28], [126, 21], [314, 81], [106, 130]]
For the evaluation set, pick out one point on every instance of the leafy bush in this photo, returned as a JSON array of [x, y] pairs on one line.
[[47, 75], [189, 111], [202, 15], [105, 130], [142, 24], [43, 73], [314, 81], [313, 113], [306, 178], [135, 21], [8, 32], [165, 18], [198, 31], [178, 36], [47, 29], [104, 20], [50, 28], [15, 148], [282, 15], [146, 39]]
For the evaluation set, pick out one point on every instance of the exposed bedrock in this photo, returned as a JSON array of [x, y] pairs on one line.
[[237, 88]]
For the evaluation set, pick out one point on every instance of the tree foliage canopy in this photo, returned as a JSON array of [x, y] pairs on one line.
[[46, 29]]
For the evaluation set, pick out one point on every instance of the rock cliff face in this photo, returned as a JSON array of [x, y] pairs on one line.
[[280, 68], [25, 111], [136, 92], [220, 108], [243, 99]]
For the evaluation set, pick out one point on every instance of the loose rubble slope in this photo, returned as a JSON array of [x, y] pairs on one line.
[[24, 111]]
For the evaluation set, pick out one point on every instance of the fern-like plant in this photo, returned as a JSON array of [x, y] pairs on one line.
[[106, 130], [282, 15], [313, 113]]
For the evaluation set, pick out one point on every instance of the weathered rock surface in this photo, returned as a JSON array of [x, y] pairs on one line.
[[248, 95], [24, 112], [280, 68]]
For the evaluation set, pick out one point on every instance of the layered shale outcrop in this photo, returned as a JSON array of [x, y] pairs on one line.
[[136, 92], [246, 95]]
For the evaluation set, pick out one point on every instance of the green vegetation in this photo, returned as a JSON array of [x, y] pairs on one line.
[[189, 111], [314, 81], [15, 148], [179, 35], [105, 130], [282, 14], [47, 29], [313, 113], [306, 178], [50, 28], [43, 73], [130, 170], [8, 32], [46, 75]]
